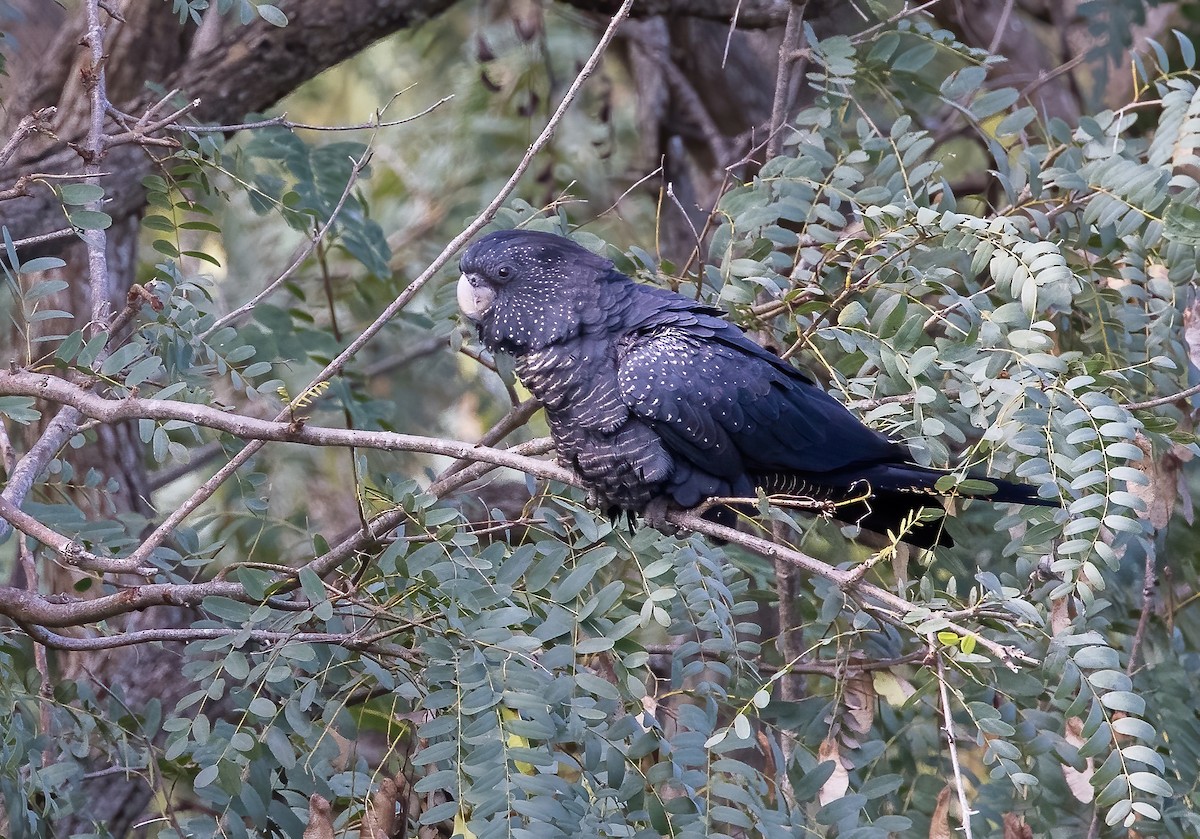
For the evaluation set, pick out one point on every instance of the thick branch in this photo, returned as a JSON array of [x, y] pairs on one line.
[[97, 407]]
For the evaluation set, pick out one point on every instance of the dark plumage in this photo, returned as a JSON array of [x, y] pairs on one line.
[[651, 396]]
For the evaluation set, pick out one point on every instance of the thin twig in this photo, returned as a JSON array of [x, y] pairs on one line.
[[20, 480], [356, 170], [282, 121], [1010, 656], [258, 432], [866, 34], [39, 120], [792, 36], [97, 242], [64, 233], [952, 744], [1001, 25], [415, 352], [1162, 400], [200, 458], [869, 404], [143, 636], [140, 132], [71, 551], [447, 484], [839, 669], [510, 422], [1149, 583]]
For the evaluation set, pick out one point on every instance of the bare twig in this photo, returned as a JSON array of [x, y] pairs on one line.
[[446, 484], [54, 389], [907, 11], [200, 457], [838, 669], [952, 745], [304, 254], [94, 148], [39, 120], [897, 606], [510, 422], [793, 34], [64, 233], [141, 132], [868, 404], [1001, 25], [71, 551], [1162, 400], [59, 610], [412, 353], [1149, 582], [66, 423], [260, 431], [143, 636], [45, 689], [282, 121], [20, 480]]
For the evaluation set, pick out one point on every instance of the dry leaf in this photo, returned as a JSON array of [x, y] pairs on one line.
[[1015, 827], [320, 819], [837, 783], [1060, 617], [1164, 481], [858, 696], [1078, 781], [1191, 332], [380, 818], [939, 825], [891, 687]]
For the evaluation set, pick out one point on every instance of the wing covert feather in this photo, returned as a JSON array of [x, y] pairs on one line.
[[729, 410]]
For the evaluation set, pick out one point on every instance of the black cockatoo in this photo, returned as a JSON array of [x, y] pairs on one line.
[[654, 398]]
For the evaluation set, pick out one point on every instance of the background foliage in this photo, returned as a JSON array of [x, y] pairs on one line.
[[382, 648]]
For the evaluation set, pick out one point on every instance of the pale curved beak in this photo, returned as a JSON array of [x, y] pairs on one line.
[[474, 298]]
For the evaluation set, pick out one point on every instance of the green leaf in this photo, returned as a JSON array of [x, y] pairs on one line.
[[43, 263], [143, 370], [912, 60], [1133, 727], [312, 586], [19, 409], [123, 356], [1151, 783], [260, 706], [80, 193], [90, 219], [272, 14], [206, 776]]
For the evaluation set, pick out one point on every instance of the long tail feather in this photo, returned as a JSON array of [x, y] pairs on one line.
[[889, 497]]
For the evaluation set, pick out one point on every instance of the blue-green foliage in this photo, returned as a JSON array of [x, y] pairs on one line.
[[551, 674]]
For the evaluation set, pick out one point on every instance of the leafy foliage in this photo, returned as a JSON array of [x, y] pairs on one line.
[[520, 667]]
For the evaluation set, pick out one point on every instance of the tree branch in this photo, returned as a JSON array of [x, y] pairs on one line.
[[900, 608]]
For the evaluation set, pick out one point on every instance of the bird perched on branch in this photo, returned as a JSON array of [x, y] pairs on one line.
[[656, 399]]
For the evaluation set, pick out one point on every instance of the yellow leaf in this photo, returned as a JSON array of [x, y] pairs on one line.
[[948, 638], [460, 827], [516, 741], [892, 688]]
